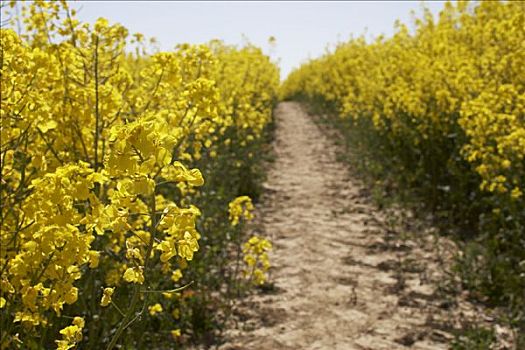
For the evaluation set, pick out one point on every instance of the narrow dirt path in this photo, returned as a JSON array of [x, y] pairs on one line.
[[343, 280]]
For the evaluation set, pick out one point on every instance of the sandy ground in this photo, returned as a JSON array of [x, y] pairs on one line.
[[344, 277]]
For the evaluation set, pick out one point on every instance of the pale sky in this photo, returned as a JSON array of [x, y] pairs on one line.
[[302, 29]]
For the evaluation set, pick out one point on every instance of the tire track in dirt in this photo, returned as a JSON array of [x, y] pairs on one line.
[[343, 280]]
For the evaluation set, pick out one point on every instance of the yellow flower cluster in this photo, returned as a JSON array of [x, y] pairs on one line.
[[71, 335], [451, 83], [155, 309], [91, 136], [240, 207], [106, 296], [256, 259]]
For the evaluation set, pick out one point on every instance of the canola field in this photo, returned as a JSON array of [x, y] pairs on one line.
[[440, 109], [129, 175]]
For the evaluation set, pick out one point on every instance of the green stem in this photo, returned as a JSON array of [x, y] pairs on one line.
[[125, 323]]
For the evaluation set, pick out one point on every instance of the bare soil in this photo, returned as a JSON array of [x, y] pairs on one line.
[[345, 275]]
